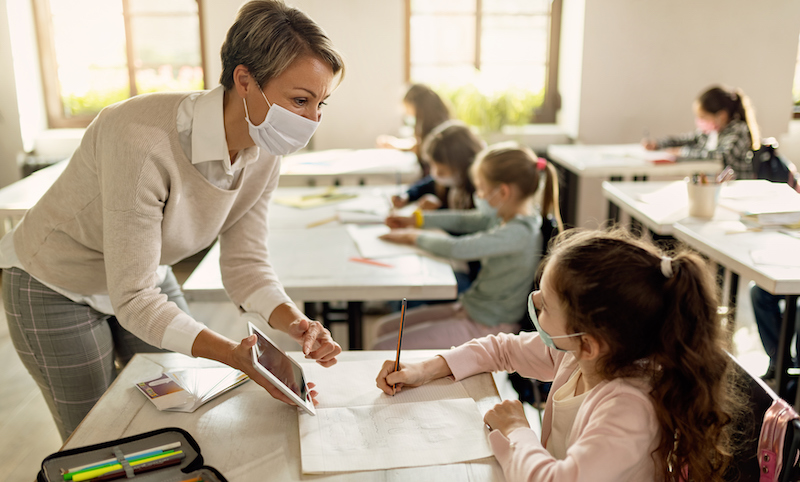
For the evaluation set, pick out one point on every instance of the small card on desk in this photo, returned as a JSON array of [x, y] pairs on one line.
[[186, 390]]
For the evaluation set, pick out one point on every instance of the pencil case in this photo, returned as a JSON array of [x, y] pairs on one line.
[[164, 455]]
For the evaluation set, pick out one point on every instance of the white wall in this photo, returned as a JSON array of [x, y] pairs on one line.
[[644, 62], [369, 35], [626, 66], [10, 134]]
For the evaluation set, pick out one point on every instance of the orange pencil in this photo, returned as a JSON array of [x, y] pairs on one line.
[[371, 261], [400, 338]]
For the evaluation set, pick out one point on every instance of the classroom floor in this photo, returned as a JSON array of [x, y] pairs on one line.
[[30, 435]]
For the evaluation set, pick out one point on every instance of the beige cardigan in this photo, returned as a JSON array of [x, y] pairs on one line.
[[130, 200]]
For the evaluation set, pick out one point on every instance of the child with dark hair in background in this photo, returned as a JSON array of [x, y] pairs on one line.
[[642, 386], [450, 150], [504, 233], [726, 130], [428, 110]]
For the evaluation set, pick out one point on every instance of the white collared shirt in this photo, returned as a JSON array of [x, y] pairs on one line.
[[201, 130]]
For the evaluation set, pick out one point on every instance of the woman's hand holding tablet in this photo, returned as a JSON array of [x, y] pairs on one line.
[[278, 372]]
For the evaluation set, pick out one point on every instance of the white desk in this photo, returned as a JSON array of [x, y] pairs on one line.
[[18, 197], [313, 263], [249, 436], [349, 167], [630, 198], [335, 166], [588, 166], [724, 240]]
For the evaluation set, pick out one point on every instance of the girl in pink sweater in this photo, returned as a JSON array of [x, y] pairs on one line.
[[642, 385]]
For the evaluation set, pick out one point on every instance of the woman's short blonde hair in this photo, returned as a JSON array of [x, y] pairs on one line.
[[268, 36]]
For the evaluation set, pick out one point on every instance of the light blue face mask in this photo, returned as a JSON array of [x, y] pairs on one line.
[[546, 338], [483, 206]]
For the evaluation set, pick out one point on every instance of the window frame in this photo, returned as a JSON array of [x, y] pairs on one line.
[[546, 114], [49, 65]]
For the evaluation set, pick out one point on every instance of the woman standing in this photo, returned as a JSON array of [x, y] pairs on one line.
[[156, 179]]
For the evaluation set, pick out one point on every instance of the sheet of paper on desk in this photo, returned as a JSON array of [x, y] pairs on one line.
[[773, 257], [434, 424], [371, 208], [761, 197], [363, 390], [366, 239], [671, 194]]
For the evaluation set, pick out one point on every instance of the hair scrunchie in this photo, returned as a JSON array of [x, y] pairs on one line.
[[666, 266], [541, 164]]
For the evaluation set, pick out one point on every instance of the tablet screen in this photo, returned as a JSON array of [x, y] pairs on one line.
[[280, 366]]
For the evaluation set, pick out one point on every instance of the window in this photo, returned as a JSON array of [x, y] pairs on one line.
[[97, 52], [496, 60], [796, 87]]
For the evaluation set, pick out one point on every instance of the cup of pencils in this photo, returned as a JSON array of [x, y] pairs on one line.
[[703, 193]]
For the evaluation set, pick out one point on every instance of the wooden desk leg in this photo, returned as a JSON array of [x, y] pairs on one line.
[[355, 325], [784, 356]]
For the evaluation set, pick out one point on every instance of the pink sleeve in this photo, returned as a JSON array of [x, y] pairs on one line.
[[524, 353], [615, 439]]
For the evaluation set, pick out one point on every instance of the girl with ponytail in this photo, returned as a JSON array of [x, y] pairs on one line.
[[642, 386], [503, 233], [726, 130]]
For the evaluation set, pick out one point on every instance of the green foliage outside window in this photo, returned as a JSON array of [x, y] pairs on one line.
[[490, 112], [93, 101]]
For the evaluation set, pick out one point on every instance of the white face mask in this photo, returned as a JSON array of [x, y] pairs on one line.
[[282, 132], [483, 206]]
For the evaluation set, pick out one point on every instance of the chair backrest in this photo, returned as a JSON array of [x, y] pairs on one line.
[[770, 165], [549, 231], [750, 460]]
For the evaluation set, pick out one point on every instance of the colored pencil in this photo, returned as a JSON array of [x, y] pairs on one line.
[[158, 464], [371, 261], [161, 448], [103, 471], [321, 222], [135, 458]]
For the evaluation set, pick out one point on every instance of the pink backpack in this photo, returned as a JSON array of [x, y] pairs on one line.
[[777, 419]]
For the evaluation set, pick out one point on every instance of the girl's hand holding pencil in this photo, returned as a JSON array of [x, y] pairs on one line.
[[411, 374]]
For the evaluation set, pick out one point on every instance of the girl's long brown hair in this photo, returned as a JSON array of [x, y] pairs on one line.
[[662, 328], [736, 104], [430, 110], [453, 144]]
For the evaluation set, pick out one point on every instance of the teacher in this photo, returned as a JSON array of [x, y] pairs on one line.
[[158, 178]]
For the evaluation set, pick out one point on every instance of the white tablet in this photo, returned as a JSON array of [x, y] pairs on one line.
[[280, 369]]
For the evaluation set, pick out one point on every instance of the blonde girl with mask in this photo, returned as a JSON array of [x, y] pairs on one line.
[[503, 233], [643, 389]]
